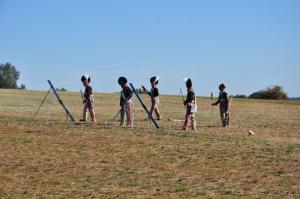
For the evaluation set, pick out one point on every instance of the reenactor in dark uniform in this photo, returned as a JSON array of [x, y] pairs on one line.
[[88, 99], [154, 94], [191, 106], [224, 104], [125, 103]]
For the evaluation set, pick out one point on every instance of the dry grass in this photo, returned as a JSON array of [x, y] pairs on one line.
[[63, 160]]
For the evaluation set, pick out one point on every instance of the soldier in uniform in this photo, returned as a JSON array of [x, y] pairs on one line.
[[88, 100], [125, 103], [154, 94], [191, 106], [224, 102]]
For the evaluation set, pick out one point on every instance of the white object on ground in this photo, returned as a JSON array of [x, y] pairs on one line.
[[250, 132]]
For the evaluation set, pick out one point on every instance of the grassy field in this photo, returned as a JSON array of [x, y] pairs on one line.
[[57, 159]]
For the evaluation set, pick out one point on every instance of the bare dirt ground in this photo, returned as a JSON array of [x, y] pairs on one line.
[[58, 159]]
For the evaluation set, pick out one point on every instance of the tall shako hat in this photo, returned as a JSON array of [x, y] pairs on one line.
[[122, 80], [86, 77], [154, 79], [188, 82], [222, 86]]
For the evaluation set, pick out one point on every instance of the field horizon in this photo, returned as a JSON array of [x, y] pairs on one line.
[[216, 93]]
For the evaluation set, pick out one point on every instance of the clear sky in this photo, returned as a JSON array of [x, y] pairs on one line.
[[247, 44]]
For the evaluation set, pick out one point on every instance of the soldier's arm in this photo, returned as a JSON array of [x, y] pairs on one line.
[[122, 98], [148, 92], [216, 103], [185, 102], [156, 93], [89, 92], [229, 99]]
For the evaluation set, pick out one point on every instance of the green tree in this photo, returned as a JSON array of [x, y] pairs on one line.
[[8, 76]]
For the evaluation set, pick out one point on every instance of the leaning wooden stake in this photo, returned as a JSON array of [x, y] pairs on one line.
[[143, 105], [212, 110], [41, 104], [61, 102]]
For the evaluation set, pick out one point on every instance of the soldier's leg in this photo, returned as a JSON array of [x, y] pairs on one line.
[[122, 115], [128, 114], [193, 120], [223, 117], [152, 108], [84, 112], [92, 110], [187, 121], [227, 118], [157, 110], [157, 113]]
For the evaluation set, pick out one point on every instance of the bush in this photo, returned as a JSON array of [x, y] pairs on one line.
[[22, 87], [239, 96], [61, 89], [272, 92]]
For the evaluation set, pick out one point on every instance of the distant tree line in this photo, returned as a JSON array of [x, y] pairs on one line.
[[239, 96], [271, 92]]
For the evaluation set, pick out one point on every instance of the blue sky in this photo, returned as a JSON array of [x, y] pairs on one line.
[[247, 44]]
